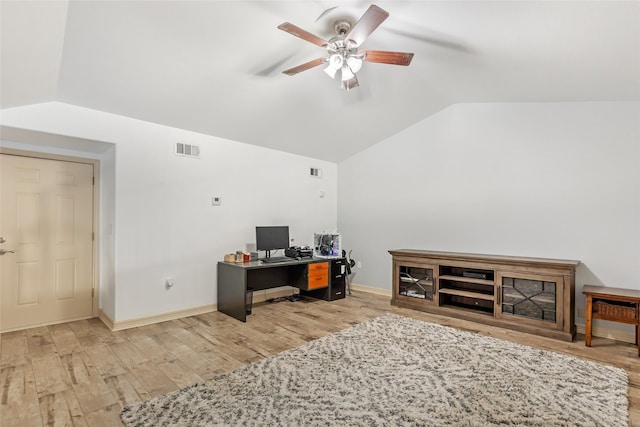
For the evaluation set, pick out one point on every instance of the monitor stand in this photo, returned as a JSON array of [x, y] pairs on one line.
[[267, 256]]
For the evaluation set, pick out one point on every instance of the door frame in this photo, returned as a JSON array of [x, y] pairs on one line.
[[95, 275]]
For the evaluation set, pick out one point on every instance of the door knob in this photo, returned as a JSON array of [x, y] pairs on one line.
[[2, 240], [2, 252]]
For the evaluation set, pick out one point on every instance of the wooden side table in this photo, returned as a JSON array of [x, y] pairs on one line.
[[613, 304]]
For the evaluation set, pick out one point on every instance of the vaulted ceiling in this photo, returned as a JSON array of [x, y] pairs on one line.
[[215, 66]]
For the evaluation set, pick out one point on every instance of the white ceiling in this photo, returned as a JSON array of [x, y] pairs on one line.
[[215, 66]]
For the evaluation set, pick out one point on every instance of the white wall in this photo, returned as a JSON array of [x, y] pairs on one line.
[[554, 180], [106, 235], [558, 180], [164, 224]]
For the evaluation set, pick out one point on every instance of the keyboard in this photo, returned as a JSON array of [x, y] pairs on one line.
[[276, 259]]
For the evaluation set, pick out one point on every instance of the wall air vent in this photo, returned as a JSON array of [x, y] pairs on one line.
[[315, 172], [187, 150]]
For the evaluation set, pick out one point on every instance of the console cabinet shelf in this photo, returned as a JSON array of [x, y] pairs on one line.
[[534, 295]]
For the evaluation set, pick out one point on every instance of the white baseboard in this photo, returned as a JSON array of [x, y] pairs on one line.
[[143, 321], [371, 290], [259, 296], [105, 319]]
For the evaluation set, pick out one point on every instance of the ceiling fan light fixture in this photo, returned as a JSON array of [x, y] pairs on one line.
[[354, 63], [347, 74], [335, 63], [331, 72]]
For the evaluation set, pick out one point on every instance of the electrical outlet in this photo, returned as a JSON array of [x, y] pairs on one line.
[[359, 264], [581, 313]]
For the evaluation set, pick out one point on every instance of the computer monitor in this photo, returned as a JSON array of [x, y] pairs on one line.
[[272, 237]]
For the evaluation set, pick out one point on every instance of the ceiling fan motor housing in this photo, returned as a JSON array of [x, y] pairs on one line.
[[342, 26]]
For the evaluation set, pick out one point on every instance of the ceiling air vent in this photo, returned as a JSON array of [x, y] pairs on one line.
[[315, 172], [187, 150]]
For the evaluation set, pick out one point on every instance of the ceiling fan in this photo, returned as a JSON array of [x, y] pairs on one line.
[[342, 49]]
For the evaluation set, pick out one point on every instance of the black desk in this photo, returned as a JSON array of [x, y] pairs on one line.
[[235, 278]]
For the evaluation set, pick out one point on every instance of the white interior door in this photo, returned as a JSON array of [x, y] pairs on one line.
[[46, 221]]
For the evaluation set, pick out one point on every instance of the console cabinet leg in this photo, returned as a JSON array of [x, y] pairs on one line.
[[588, 313]]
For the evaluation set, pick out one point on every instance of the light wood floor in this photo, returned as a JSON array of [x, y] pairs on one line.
[[80, 373]]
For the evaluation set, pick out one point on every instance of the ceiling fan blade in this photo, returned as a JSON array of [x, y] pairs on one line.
[[372, 18], [303, 67], [384, 57], [303, 34], [350, 84]]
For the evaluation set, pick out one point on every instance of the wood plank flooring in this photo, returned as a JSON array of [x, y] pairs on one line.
[[82, 374]]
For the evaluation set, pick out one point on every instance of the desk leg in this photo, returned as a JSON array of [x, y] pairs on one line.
[[589, 314], [232, 288], [638, 338]]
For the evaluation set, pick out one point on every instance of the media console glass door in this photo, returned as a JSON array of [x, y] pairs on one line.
[[537, 299], [415, 281]]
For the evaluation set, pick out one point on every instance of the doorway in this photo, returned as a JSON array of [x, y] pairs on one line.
[[47, 255]]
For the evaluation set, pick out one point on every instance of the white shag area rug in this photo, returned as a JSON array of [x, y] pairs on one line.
[[397, 371]]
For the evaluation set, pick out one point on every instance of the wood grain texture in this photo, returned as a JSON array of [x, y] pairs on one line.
[[447, 271], [80, 373]]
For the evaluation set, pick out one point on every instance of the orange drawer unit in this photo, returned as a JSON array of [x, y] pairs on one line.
[[318, 275]]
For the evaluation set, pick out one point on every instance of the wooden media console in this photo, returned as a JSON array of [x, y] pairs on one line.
[[534, 295]]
